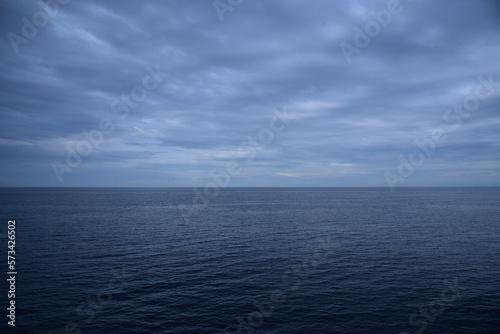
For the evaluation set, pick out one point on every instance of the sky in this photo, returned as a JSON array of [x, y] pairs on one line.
[[250, 93]]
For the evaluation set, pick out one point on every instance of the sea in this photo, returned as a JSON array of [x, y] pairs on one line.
[[252, 260]]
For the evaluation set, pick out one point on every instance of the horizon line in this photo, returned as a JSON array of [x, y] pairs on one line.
[[186, 187]]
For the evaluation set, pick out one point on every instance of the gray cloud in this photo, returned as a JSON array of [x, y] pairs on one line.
[[352, 120]]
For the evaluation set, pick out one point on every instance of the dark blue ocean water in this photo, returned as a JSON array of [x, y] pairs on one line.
[[255, 260]]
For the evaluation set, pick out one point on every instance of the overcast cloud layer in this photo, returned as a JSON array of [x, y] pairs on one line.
[[354, 117]]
